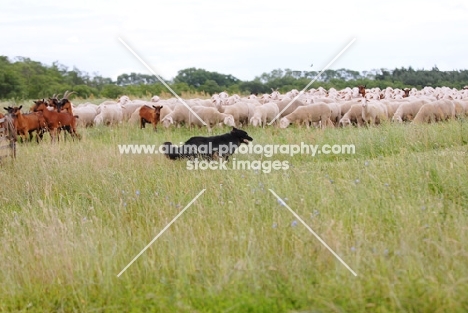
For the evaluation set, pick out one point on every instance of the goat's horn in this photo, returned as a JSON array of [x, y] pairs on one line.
[[70, 94]]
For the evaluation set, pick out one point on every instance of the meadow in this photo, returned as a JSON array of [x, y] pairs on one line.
[[74, 214]]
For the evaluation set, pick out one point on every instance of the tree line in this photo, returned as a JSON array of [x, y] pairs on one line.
[[23, 78]]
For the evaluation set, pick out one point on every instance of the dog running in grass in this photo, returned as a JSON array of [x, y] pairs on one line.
[[208, 148]]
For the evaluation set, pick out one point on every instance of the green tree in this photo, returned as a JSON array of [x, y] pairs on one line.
[[210, 86]]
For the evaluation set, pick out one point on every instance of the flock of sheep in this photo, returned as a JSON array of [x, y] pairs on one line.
[[316, 107]]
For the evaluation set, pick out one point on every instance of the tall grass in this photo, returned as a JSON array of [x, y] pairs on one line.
[[74, 214]]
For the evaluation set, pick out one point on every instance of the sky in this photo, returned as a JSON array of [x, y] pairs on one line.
[[241, 38]]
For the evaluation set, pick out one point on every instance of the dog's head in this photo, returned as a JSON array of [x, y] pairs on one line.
[[242, 135]]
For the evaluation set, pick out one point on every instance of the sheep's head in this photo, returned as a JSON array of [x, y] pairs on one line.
[[275, 94], [345, 122], [397, 119], [124, 99], [255, 121], [284, 123], [155, 99], [364, 102], [167, 121], [229, 121]]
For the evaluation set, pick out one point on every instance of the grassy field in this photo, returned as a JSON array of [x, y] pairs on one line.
[[74, 214]]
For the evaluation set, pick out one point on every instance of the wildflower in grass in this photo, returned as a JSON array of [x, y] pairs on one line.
[[353, 249], [275, 225], [357, 181], [366, 163], [294, 224], [137, 192]]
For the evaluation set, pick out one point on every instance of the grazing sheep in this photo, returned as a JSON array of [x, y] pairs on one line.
[[283, 105], [392, 107], [436, 111], [408, 110], [86, 115], [353, 116], [428, 113], [308, 114], [263, 114], [460, 110], [335, 112], [179, 116], [345, 106], [447, 107], [241, 111], [373, 112], [211, 116], [109, 115]]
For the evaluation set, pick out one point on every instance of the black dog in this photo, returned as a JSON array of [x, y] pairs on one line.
[[208, 148]]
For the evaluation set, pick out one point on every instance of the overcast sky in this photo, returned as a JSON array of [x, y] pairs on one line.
[[242, 38]]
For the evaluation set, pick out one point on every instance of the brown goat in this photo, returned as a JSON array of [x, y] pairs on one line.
[[362, 90], [150, 115], [407, 91], [56, 121], [26, 124]]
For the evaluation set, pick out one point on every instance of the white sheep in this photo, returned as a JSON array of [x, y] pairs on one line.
[[460, 110], [211, 116], [353, 116], [86, 115], [373, 112], [346, 105], [241, 111], [439, 110], [263, 114], [109, 115], [392, 107], [335, 112], [283, 105], [178, 117], [408, 110], [307, 115]]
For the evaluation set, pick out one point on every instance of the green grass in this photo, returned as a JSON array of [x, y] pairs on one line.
[[74, 214]]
